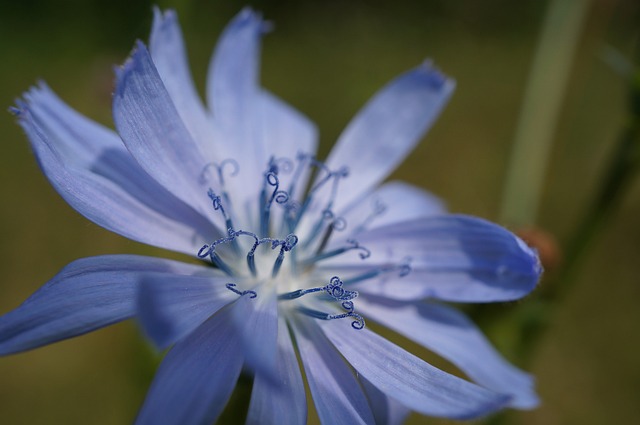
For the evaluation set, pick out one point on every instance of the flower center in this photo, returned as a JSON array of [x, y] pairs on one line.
[[286, 262]]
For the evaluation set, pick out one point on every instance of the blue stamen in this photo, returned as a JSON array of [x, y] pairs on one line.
[[403, 268], [337, 223], [357, 324], [334, 289], [217, 206], [298, 293], [354, 245], [286, 245], [280, 196], [220, 170], [379, 208], [321, 167], [209, 251], [231, 287], [301, 157], [251, 262], [284, 165]]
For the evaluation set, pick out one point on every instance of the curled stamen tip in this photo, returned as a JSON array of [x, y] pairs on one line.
[[290, 241], [232, 288], [405, 267], [343, 172], [215, 200], [282, 164], [339, 224], [379, 207], [348, 305], [272, 179], [202, 253], [281, 197], [358, 323], [203, 178], [366, 253], [233, 163]]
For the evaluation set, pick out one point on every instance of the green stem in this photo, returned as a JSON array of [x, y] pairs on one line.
[[543, 99]]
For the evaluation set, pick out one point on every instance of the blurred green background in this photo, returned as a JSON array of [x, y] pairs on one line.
[[327, 58]]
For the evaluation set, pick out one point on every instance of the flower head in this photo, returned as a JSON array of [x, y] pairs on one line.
[[297, 254]]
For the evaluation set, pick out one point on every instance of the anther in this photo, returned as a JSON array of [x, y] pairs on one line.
[[232, 288]]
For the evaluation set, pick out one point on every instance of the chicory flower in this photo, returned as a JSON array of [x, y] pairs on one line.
[[296, 253]]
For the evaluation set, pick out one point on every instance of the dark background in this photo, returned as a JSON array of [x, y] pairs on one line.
[[327, 58]]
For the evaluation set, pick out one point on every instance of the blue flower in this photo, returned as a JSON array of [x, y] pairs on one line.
[[296, 254]]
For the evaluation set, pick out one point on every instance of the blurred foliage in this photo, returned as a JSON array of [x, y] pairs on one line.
[[327, 58]]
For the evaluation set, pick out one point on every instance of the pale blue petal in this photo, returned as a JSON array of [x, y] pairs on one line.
[[198, 375], [257, 326], [411, 381], [252, 124], [386, 410], [232, 80], [152, 130], [387, 129], [93, 171], [170, 58], [453, 258], [171, 307], [233, 90], [286, 402], [285, 131], [337, 395], [396, 202], [450, 334], [86, 295]]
